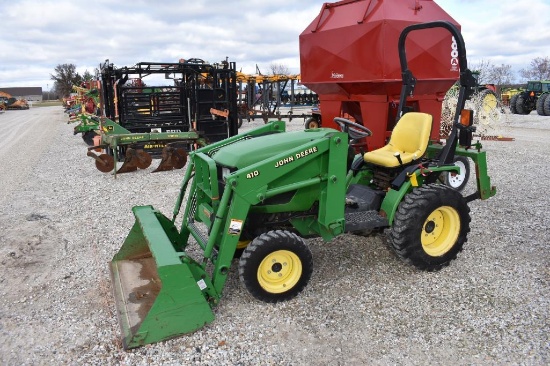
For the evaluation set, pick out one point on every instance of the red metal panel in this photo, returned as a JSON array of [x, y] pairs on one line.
[[340, 47], [349, 53]]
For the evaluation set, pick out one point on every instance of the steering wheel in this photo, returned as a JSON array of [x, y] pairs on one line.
[[354, 130]]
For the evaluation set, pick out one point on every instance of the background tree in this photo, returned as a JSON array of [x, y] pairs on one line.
[[484, 68], [87, 76], [501, 75], [65, 76], [493, 74], [540, 69], [279, 69]]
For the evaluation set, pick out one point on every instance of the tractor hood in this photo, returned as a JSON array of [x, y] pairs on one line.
[[248, 152]]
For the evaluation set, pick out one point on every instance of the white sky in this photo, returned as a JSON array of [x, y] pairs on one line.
[[37, 35]]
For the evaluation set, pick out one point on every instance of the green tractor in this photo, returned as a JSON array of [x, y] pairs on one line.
[[254, 197], [535, 97]]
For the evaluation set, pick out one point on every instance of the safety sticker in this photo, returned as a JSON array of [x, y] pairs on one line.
[[202, 284], [235, 227]]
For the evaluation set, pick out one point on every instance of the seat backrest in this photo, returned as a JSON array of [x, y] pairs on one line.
[[412, 133]]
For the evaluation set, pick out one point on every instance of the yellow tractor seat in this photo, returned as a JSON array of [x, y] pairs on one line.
[[409, 138]]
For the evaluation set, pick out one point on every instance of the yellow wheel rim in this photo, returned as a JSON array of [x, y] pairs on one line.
[[280, 271], [488, 112], [440, 231], [490, 102], [313, 124], [243, 244]]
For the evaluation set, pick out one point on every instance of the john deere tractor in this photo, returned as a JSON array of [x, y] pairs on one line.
[[257, 195], [533, 98]]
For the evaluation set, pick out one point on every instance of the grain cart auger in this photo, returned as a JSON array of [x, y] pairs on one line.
[[255, 195]]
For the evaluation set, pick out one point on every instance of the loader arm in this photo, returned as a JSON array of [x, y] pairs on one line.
[[223, 218]]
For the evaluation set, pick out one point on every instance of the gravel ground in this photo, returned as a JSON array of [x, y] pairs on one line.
[[61, 221]]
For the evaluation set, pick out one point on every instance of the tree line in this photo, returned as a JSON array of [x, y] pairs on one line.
[[65, 75], [503, 75]]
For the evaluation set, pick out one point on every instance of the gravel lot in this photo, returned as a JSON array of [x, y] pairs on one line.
[[61, 221]]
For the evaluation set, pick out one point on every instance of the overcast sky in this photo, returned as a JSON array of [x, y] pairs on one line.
[[37, 35]]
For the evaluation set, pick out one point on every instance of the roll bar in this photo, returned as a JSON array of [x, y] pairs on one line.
[[467, 81]]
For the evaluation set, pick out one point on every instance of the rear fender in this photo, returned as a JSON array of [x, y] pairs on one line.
[[415, 179]]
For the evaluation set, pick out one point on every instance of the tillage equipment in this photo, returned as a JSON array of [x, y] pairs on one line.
[[139, 121]]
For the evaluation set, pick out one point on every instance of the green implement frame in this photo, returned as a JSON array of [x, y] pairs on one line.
[[114, 136], [87, 123]]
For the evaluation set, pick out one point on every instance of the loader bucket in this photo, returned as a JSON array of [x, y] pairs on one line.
[[158, 291]]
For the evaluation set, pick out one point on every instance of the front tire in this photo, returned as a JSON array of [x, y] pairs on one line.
[[276, 266], [430, 227]]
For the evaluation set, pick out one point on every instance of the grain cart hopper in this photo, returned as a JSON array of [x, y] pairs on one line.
[[260, 192], [347, 56], [138, 120]]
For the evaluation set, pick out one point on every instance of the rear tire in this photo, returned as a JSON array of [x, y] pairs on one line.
[[513, 101], [540, 104], [430, 227], [520, 105], [276, 266], [546, 106]]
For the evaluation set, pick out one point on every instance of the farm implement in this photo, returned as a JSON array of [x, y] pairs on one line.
[[88, 127], [255, 196], [263, 96], [140, 122], [135, 146], [85, 109], [9, 102]]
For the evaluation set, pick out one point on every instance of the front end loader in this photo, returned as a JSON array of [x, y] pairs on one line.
[[256, 196]]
